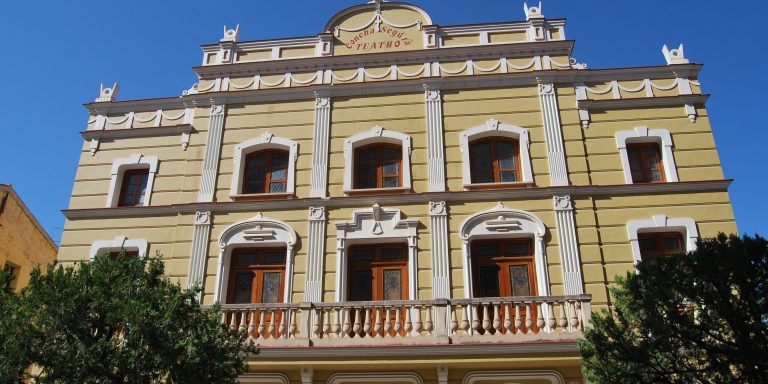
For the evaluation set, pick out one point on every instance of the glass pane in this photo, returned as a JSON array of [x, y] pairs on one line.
[[245, 258], [518, 249], [489, 281], [367, 170], [277, 187], [270, 290], [274, 257], [243, 287], [390, 168], [506, 148], [481, 149], [508, 162], [482, 163], [637, 175], [362, 285], [367, 155], [390, 182], [653, 163], [254, 188], [390, 154], [366, 183], [279, 173], [392, 253], [520, 282], [655, 175], [279, 158], [508, 177], [648, 244], [672, 244], [487, 250], [393, 284], [362, 254]]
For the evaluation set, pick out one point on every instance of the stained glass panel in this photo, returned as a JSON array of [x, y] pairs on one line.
[[279, 173], [390, 182], [390, 168], [520, 282], [393, 284], [243, 288], [508, 162], [277, 187], [270, 289], [489, 281], [508, 177]]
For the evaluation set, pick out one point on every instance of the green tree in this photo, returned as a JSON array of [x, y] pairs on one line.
[[695, 318], [114, 320]]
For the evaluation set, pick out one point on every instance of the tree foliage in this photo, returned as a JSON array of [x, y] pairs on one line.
[[114, 320], [695, 318]]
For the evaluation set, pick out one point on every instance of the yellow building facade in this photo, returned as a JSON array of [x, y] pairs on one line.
[[24, 244], [397, 201]]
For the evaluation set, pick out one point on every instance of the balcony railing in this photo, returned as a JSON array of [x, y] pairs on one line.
[[423, 322]]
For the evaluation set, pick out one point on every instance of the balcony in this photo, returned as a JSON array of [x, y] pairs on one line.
[[497, 320]]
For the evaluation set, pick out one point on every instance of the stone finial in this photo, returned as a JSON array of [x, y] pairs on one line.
[[532, 12], [674, 56], [231, 34], [108, 94]]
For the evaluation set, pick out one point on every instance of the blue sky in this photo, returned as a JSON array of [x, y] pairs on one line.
[[57, 53]]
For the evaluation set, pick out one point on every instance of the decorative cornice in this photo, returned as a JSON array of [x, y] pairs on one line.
[[660, 101], [398, 199], [137, 132]]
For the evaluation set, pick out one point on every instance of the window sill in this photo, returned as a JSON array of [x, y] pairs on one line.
[[490, 186], [263, 196], [378, 191]]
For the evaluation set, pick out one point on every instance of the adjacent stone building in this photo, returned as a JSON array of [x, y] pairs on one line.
[[397, 201]]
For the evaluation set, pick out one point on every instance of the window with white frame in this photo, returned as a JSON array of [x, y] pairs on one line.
[[120, 244], [660, 236], [495, 155], [131, 181], [377, 159], [646, 155], [263, 166]]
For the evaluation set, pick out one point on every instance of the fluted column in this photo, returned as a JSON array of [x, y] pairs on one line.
[[569, 246], [211, 159], [435, 142], [319, 182], [558, 170], [199, 253], [438, 220], [313, 291]]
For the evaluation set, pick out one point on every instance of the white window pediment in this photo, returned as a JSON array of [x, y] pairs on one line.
[[493, 128], [258, 231], [661, 223], [119, 166], [118, 244], [263, 142], [377, 134], [642, 134]]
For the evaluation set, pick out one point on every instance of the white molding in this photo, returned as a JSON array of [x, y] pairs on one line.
[[271, 378], [211, 157], [641, 134], [375, 377], [119, 166], [490, 129], [568, 244], [441, 253], [550, 115], [374, 226], [258, 231], [377, 134], [552, 376], [319, 182], [435, 141], [117, 244], [662, 223], [263, 142], [502, 222], [313, 291], [201, 236]]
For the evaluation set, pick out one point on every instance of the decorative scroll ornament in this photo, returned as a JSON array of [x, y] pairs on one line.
[[317, 213], [546, 89], [217, 109], [437, 208], [433, 95], [563, 203], [202, 218], [322, 102]]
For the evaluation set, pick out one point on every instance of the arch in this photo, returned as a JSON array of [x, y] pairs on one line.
[[119, 166], [641, 134], [361, 7], [376, 377], [490, 129], [118, 244], [502, 222], [265, 141], [554, 377], [258, 231], [662, 223], [377, 134]]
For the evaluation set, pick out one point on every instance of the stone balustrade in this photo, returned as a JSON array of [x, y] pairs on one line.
[[422, 322]]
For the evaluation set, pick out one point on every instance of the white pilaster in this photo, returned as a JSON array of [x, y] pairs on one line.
[[313, 291], [319, 182], [558, 171], [212, 150], [199, 253], [438, 220], [569, 246], [435, 144]]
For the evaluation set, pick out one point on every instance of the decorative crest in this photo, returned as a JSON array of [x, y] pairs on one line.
[[231, 34], [674, 56], [492, 124], [108, 94], [377, 130], [532, 12]]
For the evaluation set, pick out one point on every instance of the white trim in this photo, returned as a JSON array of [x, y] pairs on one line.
[[320, 142], [118, 244], [490, 129], [375, 377], [568, 244], [641, 134], [550, 116], [376, 225], [377, 134], [502, 222], [258, 231], [119, 166], [662, 223], [435, 142], [263, 142], [272, 378], [552, 376]]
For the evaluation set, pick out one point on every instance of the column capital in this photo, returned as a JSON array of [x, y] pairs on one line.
[[317, 213], [437, 208], [563, 203], [203, 218]]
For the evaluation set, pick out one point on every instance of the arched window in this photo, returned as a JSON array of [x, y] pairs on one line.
[[378, 166], [495, 160], [266, 172], [503, 268]]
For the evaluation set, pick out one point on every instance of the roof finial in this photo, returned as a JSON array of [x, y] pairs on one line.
[[674, 56], [108, 94], [231, 34], [532, 12]]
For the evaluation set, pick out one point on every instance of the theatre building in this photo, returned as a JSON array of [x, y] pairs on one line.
[[393, 200]]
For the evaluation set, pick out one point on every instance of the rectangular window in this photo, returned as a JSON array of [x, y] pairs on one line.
[[134, 188], [645, 163], [378, 166], [377, 272], [503, 268], [659, 244], [257, 275]]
